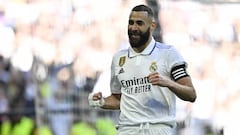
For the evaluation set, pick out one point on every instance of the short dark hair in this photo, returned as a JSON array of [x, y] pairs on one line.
[[144, 8]]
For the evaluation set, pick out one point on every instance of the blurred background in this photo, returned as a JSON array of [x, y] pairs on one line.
[[53, 53]]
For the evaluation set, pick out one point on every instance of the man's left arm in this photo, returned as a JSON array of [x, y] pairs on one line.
[[182, 87]]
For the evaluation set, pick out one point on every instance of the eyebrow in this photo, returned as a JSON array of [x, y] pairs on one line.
[[137, 21]]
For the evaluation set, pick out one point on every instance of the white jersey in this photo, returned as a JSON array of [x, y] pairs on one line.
[[142, 102]]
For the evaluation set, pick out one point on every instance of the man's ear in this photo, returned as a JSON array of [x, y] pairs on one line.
[[154, 25]]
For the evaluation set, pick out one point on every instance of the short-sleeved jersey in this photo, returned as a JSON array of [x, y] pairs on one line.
[[142, 102]]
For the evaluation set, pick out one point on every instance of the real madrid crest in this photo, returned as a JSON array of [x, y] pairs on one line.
[[153, 67]]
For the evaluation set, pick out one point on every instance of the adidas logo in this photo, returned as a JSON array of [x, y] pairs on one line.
[[121, 71]]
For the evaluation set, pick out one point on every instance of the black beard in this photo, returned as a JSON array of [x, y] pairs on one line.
[[143, 38]]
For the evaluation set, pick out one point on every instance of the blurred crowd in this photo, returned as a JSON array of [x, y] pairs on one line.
[[209, 38], [53, 53]]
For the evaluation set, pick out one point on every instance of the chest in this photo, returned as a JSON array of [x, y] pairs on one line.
[[140, 67]]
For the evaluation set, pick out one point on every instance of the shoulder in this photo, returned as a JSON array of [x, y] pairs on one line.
[[165, 47], [121, 53], [169, 52]]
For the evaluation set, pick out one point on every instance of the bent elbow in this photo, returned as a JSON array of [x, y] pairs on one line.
[[190, 98], [193, 98]]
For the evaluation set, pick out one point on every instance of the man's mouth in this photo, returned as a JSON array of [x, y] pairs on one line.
[[135, 36]]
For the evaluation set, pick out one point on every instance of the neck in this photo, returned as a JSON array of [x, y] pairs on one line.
[[141, 48]]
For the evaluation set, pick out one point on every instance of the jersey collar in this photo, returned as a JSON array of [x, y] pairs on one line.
[[147, 51]]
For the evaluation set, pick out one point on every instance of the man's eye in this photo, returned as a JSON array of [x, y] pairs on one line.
[[139, 22], [130, 22]]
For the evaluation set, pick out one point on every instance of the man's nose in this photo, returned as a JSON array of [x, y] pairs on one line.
[[134, 27]]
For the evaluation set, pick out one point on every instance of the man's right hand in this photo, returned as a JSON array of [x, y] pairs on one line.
[[96, 99]]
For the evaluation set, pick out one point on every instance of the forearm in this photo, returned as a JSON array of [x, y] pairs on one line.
[[111, 102], [183, 90]]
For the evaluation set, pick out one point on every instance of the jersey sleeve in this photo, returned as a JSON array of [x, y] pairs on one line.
[[114, 82], [175, 60]]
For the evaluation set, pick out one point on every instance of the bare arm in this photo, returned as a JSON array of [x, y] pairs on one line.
[[110, 102], [183, 88]]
